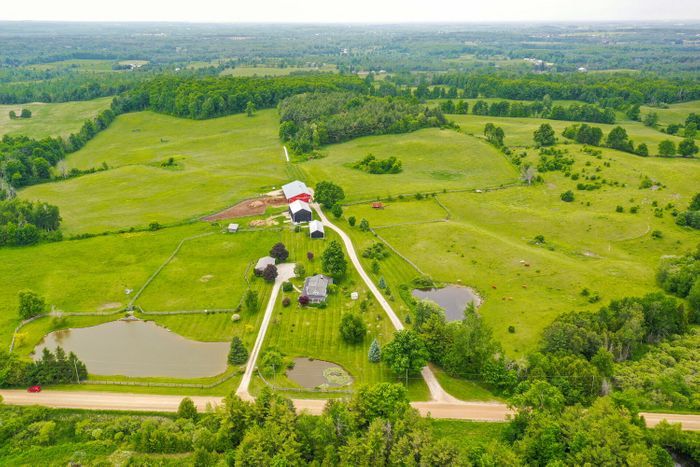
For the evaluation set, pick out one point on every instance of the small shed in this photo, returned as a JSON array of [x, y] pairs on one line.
[[316, 288], [316, 229], [263, 263], [232, 228], [300, 211], [377, 205]]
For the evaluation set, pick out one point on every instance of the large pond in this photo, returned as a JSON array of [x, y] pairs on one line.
[[453, 299], [139, 348], [318, 374]]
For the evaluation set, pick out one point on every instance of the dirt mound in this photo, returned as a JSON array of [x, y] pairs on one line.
[[248, 207]]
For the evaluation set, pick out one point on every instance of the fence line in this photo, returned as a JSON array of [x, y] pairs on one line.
[[391, 247], [162, 266], [391, 198], [158, 384]]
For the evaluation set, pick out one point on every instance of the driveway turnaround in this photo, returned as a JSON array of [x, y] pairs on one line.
[[437, 393], [285, 272]]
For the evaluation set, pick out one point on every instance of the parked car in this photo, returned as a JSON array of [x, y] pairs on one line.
[[34, 389]]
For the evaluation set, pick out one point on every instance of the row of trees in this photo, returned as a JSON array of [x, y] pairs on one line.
[[24, 113], [310, 120], [51, 368]]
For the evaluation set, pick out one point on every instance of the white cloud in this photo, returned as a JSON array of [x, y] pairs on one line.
[[350, 11]]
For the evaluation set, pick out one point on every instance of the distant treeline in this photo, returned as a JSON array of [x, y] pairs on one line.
[[542, 109], [217, 96], [314, 119], [616, 90]]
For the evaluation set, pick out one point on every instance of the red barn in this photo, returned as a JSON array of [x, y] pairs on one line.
[[296, 191]]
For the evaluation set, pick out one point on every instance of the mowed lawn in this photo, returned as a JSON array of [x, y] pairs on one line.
[[433, 160], [84, 275], [55, 119], [487, 242], [315, 332], [219, 162], [519, 131]]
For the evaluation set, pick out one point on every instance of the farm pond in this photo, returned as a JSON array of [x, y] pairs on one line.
[[312, 374], [452, 298], [138, 348]]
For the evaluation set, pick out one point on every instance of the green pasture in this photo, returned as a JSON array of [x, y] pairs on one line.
[[55, 119], [314, 332], [218, 163], [275, 71], [84, 275], [433, 160], [487, 242], [675, 113], [84, 65], [519, 130]]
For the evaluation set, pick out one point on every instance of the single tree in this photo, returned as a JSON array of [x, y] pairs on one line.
[[337, 211], [364, 225], [406, 353], [238, 354], [25, 113], [250, 108], [667, 148], [187, 409], [310, 255], [352, 328], [544, 135], [618, 139], [30, 304], [304, 300], [651, 119], [633, 112], [279, 252], [333, 260], [328, 194], [642, 150], [13, 115], [270, 273], [375, 352], [687, 147], [299, 270], [351, 221], [251, 301], [567, 196]]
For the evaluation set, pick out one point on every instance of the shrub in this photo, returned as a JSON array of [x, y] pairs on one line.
[[567, 196], [187, 409], [511, 329], [351, 221], [304, 300], [352, 328], [286, 302], [287, 286]]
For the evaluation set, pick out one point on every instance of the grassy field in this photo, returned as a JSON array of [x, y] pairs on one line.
[[488, 241], [519, 130], [314, 332], [219, 162], [432, 159], [84, 275], [59, 119], [274, 71], [466, 434], [88, 65], [676, 113]]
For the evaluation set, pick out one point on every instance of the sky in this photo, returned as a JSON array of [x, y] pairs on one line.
[[349, 11]]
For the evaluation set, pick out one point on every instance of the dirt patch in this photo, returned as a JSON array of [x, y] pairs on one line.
[[248, 207], [110, 306]]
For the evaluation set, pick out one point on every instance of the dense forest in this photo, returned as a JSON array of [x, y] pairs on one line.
[[26, 223], [214, 97], [314, 119]]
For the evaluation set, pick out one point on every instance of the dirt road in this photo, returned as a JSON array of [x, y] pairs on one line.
[[437, 393], [93, 400], [284, 273]]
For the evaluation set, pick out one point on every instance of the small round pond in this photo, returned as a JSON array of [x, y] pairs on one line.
[[139, 348], [312, 374], [453, 299]]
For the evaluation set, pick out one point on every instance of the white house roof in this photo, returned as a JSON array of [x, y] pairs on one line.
[[295, 188], [233, 226], [317, 286], [264, 262], [299, 205], [316, 226]]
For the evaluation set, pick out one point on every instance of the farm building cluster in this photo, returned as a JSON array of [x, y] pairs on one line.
[[298, 195]]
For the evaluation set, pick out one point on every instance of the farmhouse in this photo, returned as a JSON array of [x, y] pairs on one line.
[[296, 190], [263, 263], [316, 288], [300, 211], [316, 229]]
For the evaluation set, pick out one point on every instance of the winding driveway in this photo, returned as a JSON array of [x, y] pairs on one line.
[[284, 273], [437, 393]]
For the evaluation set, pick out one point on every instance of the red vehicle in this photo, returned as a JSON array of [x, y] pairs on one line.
[[34, 389]]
